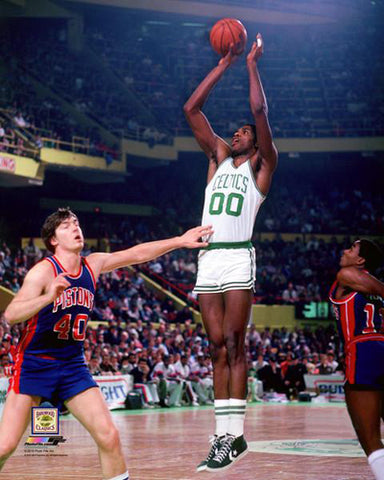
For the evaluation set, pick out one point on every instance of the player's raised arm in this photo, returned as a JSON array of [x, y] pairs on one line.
[[259, 108], [360, 281], [106, 262], [213, 146], [40, 288]]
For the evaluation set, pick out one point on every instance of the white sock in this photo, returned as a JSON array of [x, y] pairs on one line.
[[376, 462], [123, 476], [222, 416], [236, 416]]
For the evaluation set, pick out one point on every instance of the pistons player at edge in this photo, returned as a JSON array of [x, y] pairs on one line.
[[239, 178], [358, 303], [56, 300]]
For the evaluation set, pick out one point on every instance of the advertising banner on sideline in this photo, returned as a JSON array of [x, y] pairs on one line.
[[4, 382], [115, 389], [331, 386]]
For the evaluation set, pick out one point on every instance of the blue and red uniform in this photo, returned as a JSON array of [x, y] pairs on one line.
[[360, 322], [49, 360]]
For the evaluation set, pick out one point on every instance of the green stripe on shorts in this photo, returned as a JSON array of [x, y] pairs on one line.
[[218, 245]]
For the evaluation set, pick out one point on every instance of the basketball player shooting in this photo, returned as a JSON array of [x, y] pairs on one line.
[[55, 301], [239, 177]]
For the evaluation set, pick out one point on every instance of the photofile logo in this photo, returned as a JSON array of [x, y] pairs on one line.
[[44, 431], [44, 441]]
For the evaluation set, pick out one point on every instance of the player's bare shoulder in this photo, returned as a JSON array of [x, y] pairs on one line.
[[45, 264], [217, 156], [223, 150], [96, 262], [263, 170], [348, 275], [37, 280], [269, 164], [43, 272]]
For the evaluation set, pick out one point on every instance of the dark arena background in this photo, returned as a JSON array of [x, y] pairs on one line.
[[91, 117]]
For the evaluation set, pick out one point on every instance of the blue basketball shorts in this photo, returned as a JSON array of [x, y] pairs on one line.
[[365, 365], [51, 379]]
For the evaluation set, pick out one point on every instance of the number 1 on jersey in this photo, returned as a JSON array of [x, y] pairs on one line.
[[369, 309]]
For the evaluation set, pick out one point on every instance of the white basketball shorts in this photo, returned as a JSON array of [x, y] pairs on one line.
[[223, 269]]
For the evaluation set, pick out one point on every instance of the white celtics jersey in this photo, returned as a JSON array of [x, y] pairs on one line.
[[231, 203]]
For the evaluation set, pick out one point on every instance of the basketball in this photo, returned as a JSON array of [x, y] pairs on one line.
[[225, 32]]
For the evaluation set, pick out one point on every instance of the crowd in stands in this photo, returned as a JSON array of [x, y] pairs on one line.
[[310, 210], [309, 80], [305, 204], [18, 95], [168, 355], [170, 363], [79, 96], [306, 261], [125, 81], [288, 272], [9, 142], [44, 117]]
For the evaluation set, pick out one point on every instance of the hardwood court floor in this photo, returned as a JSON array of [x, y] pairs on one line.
[[167, 445]]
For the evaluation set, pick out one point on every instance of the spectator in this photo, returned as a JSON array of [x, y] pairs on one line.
[[19, 120], [294, 378], [94, 365], [202, 379], [260, 363], [183, 372], [169, 387], [33, 253], [106, 365], [290, 294], [325, 368], [271, 377], [331, 361], [141, 382]]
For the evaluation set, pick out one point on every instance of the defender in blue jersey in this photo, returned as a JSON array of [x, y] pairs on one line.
[[358, 302], [55, 302]]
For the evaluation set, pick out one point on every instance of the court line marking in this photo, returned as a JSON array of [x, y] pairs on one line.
[[48, 475], [325, 447], [157, 411]]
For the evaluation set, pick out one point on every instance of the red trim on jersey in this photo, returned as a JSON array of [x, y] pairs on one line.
[[25, 340], [78, 274], [28, 334], [330, 295], [90, 271], [351, 319], [344, 322], [378, 337], [46, 357], [52, 263], [347, 312], [351, 364], [341, 300]]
